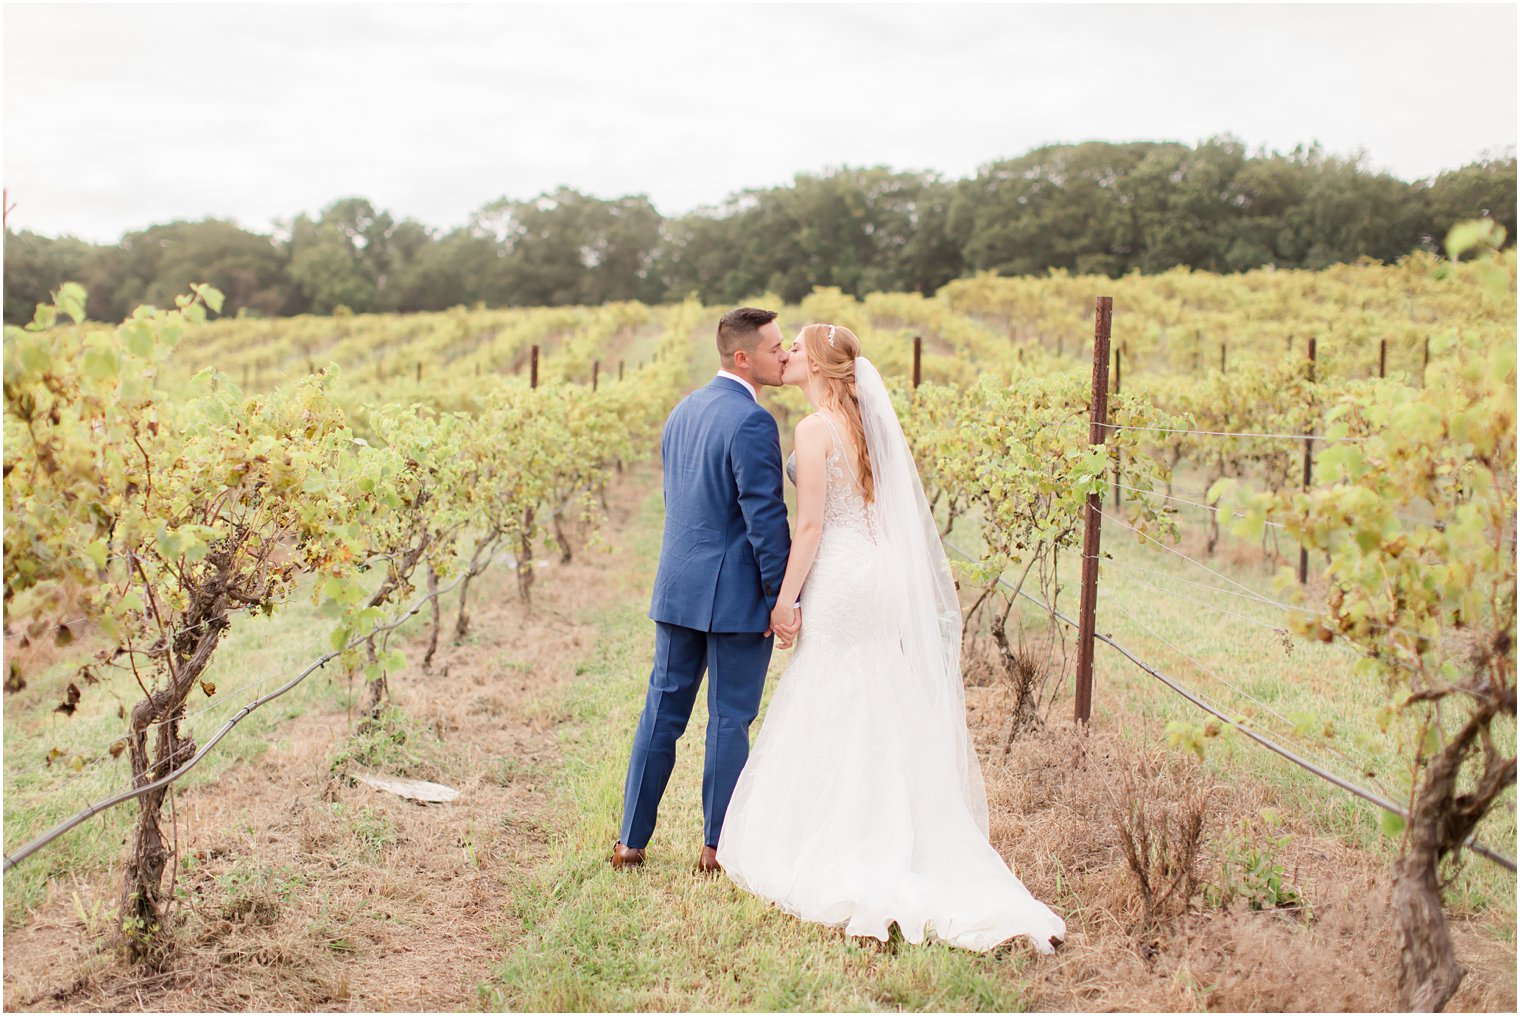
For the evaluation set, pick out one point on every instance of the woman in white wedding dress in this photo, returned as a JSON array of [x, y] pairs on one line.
[[862, 802]]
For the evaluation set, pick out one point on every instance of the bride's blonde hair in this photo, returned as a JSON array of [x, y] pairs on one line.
[[833, 349]]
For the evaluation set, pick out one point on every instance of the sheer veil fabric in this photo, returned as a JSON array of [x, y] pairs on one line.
[[862, 803], [930, 623]]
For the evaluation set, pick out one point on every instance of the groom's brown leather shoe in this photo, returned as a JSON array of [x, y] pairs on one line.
[[626, 857], [707, 861]]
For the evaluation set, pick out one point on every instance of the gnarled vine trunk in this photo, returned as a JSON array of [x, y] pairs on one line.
[[1439, 823], [142, 902]]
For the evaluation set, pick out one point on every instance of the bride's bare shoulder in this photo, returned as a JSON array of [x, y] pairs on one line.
[[812, 430]]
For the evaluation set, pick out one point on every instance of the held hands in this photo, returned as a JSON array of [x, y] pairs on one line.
[[786, 622]]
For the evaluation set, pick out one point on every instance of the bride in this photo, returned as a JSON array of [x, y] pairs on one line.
[[862, 802]]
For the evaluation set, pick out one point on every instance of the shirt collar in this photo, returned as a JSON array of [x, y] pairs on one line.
[[747, 386]]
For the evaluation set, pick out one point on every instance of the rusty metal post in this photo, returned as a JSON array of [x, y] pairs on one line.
[[918, 360], [533, 368], [1382, 358], [1425, 363], [1118, 390], [1222, 347], [596, 370], [620, 370], [1303, 552], [419, 370], [1092, 514]]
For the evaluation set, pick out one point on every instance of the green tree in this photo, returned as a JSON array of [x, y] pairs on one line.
[[36, 266], [1483, 189]]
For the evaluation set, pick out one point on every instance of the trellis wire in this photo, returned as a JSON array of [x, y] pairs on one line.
[[1266, 742]]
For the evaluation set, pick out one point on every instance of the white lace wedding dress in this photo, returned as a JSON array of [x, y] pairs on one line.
[[850, 810]]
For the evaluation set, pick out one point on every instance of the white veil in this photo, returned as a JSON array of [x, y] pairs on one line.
[[930, 624]]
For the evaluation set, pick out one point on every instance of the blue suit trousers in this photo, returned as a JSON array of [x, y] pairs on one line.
[[736, 665]]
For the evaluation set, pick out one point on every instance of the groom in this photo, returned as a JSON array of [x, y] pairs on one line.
[[721, 565]]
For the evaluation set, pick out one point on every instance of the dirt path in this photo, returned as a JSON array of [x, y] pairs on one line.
[[308, 892], [305, 891]]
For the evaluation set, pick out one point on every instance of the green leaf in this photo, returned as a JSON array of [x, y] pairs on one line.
[[96, 551], [1185, 737], [139, 337], [1342, 462], [99, 364], [1464, 236], [70, 299], [45, 317], [212, 296], [34, 355]]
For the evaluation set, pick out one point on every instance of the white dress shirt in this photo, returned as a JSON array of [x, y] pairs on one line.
[[747, 386]]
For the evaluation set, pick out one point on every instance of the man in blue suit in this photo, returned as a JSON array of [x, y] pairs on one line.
[[721, 564]]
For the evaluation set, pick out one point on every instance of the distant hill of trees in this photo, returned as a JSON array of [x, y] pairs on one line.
[[1095, 207]]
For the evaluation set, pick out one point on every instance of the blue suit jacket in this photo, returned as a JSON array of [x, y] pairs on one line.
[[726, 539]]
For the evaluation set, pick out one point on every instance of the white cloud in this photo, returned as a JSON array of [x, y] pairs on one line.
[[120, 116]]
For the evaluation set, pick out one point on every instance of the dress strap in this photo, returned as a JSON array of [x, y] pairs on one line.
[[839, 443]]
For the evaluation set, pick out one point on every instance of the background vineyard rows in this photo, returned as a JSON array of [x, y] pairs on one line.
[[171, 480]]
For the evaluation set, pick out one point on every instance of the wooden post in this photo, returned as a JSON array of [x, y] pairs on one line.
[[1425, 363], [918, 360], [419, 370], [1221, 357], [533, 368], [1382, 358], [596, 370], [620, 370], [1303, 552], [1091, 513], [1118, 390]]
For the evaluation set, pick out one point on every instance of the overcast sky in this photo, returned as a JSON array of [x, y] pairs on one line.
[[120, 116]]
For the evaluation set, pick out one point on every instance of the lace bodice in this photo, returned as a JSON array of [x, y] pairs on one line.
[[844, 509]]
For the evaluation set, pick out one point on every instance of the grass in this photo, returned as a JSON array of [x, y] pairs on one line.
[[663, 938], [255, 655], [1307, 696]]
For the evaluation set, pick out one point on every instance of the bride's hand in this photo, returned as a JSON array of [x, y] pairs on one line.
[[786, 619]]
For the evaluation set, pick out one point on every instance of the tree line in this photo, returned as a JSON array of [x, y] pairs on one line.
[[1091, 208]]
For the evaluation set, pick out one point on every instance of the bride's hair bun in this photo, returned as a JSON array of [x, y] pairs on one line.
[[832, 349]]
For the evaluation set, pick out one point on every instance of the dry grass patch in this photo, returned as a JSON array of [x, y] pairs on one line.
[[300, 889], [1061, 803]]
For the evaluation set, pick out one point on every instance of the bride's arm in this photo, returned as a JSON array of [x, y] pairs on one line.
[[812, 448]]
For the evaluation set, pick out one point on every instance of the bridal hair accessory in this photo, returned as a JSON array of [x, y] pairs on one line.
[[831, 335]]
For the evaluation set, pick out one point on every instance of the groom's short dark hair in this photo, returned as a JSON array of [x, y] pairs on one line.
[[740, 329]]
